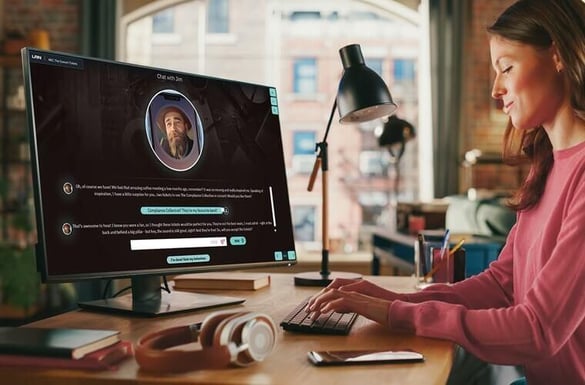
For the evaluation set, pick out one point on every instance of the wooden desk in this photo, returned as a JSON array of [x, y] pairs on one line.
[[288, 364]]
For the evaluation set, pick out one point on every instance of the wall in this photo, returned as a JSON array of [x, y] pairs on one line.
[[483, 123], [59, 17]]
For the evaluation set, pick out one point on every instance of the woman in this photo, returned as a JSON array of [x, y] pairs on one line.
[[528, 307]]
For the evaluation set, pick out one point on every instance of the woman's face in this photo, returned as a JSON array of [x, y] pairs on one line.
[[527, 81]]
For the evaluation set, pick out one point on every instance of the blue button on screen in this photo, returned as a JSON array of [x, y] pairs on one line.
[[237, 241]]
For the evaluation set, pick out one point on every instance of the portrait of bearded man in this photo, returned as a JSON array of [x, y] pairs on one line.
[[176, 127]]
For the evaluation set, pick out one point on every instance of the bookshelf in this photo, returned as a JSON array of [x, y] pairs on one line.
[[16, 221]]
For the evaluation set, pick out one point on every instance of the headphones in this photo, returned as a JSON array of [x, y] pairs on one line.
[[226, 337]]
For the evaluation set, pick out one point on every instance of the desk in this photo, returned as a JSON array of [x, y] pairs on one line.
[[286, 365], [397, 250]]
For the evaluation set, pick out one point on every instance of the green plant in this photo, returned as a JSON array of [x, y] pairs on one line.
[[19, 280], [21, 221]]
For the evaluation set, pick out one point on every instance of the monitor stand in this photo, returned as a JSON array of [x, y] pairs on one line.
[[148, 299]]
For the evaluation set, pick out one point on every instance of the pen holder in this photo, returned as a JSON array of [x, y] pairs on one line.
[[433, 266]]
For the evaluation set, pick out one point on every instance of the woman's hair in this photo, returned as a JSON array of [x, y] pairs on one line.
[[541, 23]]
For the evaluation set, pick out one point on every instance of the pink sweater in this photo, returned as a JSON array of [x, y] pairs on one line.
[[528, 307]]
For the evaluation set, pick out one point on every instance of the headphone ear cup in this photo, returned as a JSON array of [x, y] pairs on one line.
[[259, 335], [252, 335], [210, 325]]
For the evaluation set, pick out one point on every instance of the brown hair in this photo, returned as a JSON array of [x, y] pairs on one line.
[[541, 23]]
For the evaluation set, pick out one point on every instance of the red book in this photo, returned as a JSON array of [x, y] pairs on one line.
[[104, 359]]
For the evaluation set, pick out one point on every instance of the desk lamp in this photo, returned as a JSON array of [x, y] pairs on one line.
[[362, 96]]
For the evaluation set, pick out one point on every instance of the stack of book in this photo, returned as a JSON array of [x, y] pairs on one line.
[[222, 280], [68, 348]]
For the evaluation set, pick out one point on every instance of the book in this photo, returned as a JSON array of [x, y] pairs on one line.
[[55, 342], [223, 280], [106, 358]]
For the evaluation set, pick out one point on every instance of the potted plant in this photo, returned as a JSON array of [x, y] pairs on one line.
[[19, 281]]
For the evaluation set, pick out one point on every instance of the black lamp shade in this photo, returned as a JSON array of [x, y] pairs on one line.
[[396, 130], [362, 95]]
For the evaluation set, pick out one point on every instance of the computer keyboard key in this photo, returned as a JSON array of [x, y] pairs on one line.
[[329, 323]]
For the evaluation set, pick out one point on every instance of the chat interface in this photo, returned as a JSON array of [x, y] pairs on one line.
[[152, 169]]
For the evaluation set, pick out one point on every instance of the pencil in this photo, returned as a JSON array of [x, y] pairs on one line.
[[433, 271], [456, 247]]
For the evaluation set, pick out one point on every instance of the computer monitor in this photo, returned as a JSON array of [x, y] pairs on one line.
[[142, 173]]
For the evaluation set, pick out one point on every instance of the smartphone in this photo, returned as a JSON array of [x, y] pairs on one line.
[[354, 357]]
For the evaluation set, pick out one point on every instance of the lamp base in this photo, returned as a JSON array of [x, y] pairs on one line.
[[313, 278]]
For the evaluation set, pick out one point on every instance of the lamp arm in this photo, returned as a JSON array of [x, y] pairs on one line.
[[330, 121], [322, 163], [313, 177], [325, 214]]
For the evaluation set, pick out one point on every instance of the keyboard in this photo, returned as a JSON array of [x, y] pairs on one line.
[[331, 323]]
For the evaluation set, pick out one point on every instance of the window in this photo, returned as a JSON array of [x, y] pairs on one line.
[[305, 76], [375, 65], [303, 152], [404, 70], [164, 21], [372, 163], [305, 15], [304, 223], [294, 46], [363, 15], [218, 16], [304, 143]]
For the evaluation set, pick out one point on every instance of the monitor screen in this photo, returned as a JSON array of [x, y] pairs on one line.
[[146, 172]]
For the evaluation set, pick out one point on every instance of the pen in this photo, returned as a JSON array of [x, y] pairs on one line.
[[456, 247], [445, 242], [422, 253]]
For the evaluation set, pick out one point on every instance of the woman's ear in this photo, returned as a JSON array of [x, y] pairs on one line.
[[557, 58]]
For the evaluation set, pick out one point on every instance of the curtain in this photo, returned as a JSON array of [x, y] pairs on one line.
[[98, 28], [447, 23]]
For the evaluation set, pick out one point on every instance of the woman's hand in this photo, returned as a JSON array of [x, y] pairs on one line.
[[362, 286], [344, 295]]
